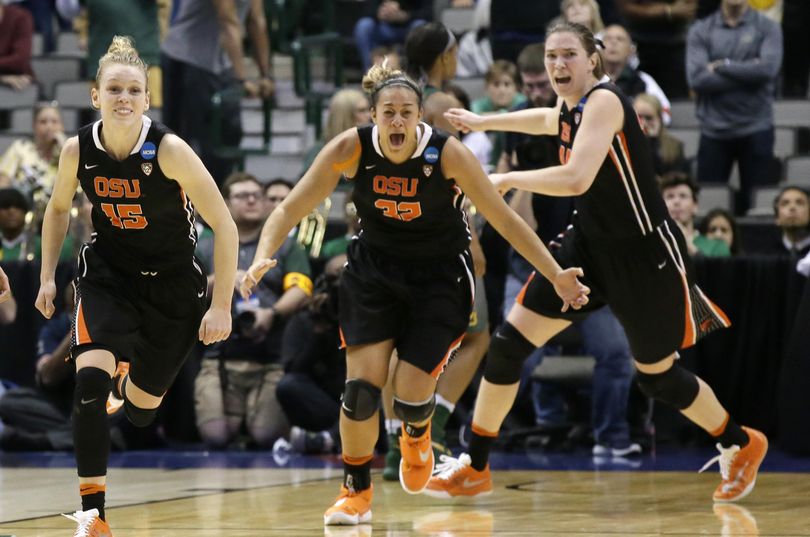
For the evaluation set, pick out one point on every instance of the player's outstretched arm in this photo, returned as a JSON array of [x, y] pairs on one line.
[[55, 223], [179, 162], [340, 156], [460, 164], [536, 121]]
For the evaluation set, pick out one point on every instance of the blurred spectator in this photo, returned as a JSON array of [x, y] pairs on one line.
[[337, 246], [721, 225], [388, 22], [20, 235], [146, 21], [16, 31], [347, 108], [584, 12], [238, 378], [196, 65], [8, 306], [792, 210], [474, 49], [314, 366], [668, 152], [389, 54], [680, 193], [502, 83], [795, 25], [733, 59], [431, 56], [659, 30], [619, 50], [440, 5], [476, 141], [30, 165], [517, 23]]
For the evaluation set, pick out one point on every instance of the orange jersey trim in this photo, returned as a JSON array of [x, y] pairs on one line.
[[91, 488], [82, 335], [522, 293], [341, 167], [437, 372]]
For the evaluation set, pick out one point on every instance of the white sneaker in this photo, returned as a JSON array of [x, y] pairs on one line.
[[601, 450], [89, 524]]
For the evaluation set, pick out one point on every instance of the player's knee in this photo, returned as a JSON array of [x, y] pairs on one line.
[[676, 386], [361, 399], [139, 417], [92, 388], [414, 412], [506, 354]]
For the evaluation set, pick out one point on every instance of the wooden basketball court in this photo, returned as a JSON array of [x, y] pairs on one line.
[[237, 502]]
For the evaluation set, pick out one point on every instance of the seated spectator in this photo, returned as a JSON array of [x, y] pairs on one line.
[[681, 196], [584, 12], [387, 22], [337, 246], [16, 32], [502, 83], [347, 108], [314, 366], [474, 49], [476, 141], [431, 56], [30, 165], [667, 150], [721, 225], [517, 23], [238, 378], [390, 54], [21, 240], [619, 50], [792, 210]]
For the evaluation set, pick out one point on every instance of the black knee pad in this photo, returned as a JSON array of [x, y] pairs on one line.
[[137, 416], [414, 412], [361, 399], [675, 386], [507, 352], [92, 388]]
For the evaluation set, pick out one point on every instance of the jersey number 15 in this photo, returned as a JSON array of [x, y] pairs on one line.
[[125, 216]]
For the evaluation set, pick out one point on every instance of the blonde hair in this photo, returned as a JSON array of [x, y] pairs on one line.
[[380, 76], [670, 148], [121, 51], [597, 24], [341, 112]]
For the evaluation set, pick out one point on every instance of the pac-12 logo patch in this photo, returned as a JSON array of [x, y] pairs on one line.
[[146, 167], [431, 155], [148, 151]]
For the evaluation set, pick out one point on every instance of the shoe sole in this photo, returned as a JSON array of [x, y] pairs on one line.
[[342, 519], [444, 495], [409, 491]]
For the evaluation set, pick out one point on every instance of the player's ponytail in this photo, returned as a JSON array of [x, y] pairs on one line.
[[121, 51]]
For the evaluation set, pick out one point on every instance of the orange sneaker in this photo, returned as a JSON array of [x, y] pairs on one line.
[[89, 524], [116, 398], [455, 477], [350, 508], [738, 467], [416, 464]]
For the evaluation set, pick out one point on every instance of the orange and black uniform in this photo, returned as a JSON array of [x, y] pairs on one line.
[[140, 291], [409, 275], [633, 255]]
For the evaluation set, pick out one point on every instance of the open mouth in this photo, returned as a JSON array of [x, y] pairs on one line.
[[396, 139], [562, 79]]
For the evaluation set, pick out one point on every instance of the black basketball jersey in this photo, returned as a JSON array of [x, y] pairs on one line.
[[143, 220], [409, 210], [624, 200]]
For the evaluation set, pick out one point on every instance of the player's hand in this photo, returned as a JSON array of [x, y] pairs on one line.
[[573, 293], [464, 120], [253, 275], [44, 303], [5, 287], [501, 182], [215, 326]]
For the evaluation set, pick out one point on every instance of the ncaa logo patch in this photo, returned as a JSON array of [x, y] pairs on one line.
[[146, 167], [431, 155], [148, 151]]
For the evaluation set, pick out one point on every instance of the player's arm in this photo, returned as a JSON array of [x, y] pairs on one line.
[[536, 121], [460, 164], [5, 291], [179, 162], [604, 118], [340, 156], [55, 223]]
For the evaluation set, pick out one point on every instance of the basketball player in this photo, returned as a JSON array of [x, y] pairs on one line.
[[634, 258], [408, 284], [140, 294]]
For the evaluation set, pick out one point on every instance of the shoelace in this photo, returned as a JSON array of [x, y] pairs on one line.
[[84, 520], [450, 465], [725, 458]]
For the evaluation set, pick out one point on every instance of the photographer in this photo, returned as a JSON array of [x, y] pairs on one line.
[[314, 366], [237, 382]]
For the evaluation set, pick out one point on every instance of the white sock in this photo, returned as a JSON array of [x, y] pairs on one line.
[[445, 403]]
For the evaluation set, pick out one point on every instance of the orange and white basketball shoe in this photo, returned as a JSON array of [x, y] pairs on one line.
[[739, 466], [456, 477], [350, 508], [116, 398], [416, 464], [89, 524]]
